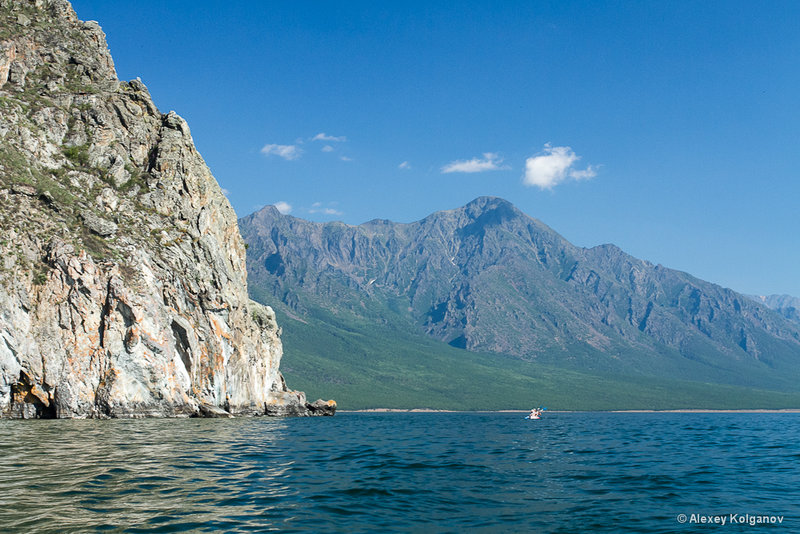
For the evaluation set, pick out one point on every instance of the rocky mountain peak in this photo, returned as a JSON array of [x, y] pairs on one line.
[[267, 213], [489, 200], [486, 212], [486, 204]]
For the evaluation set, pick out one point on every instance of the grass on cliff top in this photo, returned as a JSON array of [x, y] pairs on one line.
[[361, 365]]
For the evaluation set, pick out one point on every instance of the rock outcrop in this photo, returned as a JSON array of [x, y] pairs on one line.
[[123, 288]]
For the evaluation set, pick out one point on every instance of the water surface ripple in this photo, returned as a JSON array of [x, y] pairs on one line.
[[400, 472]]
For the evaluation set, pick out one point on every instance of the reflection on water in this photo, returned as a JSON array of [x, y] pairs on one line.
[[79, 475], [397, 472]]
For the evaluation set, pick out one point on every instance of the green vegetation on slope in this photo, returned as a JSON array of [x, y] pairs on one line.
[[364, 365]]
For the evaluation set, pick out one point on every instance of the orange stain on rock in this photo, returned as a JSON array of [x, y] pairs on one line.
[[219, 331]]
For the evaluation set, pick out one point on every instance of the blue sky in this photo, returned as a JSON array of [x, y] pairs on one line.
[[671, 129]]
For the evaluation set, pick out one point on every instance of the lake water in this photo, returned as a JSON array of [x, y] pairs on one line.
[[404, 472]]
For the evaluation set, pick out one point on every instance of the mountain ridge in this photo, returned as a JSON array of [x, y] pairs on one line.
[[488, 278], [787, 305]]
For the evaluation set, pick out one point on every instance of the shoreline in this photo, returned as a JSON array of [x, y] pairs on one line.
[[676, 410]]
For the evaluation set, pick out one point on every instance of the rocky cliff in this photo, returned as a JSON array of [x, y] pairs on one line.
[[122, 273], [487, 277]]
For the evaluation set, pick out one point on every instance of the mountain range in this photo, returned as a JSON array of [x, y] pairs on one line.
[[486, 279], [786, 305]]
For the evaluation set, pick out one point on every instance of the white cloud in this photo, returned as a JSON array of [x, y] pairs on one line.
[[553, 166], [345, 158], [404, 165], [327, 148], [318, 207], [287, 152], [490, 162], [586, 174], [225, 192], [283, 207], [329, 138]]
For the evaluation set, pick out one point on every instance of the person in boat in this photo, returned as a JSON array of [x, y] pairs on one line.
[[535, 413]]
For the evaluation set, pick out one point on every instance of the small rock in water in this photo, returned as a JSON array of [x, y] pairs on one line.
[[213, 412], [321, 407]]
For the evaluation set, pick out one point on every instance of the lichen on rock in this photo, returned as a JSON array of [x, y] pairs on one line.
[[123, 288]]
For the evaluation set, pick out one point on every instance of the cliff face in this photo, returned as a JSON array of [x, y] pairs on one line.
[[122, 279]]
